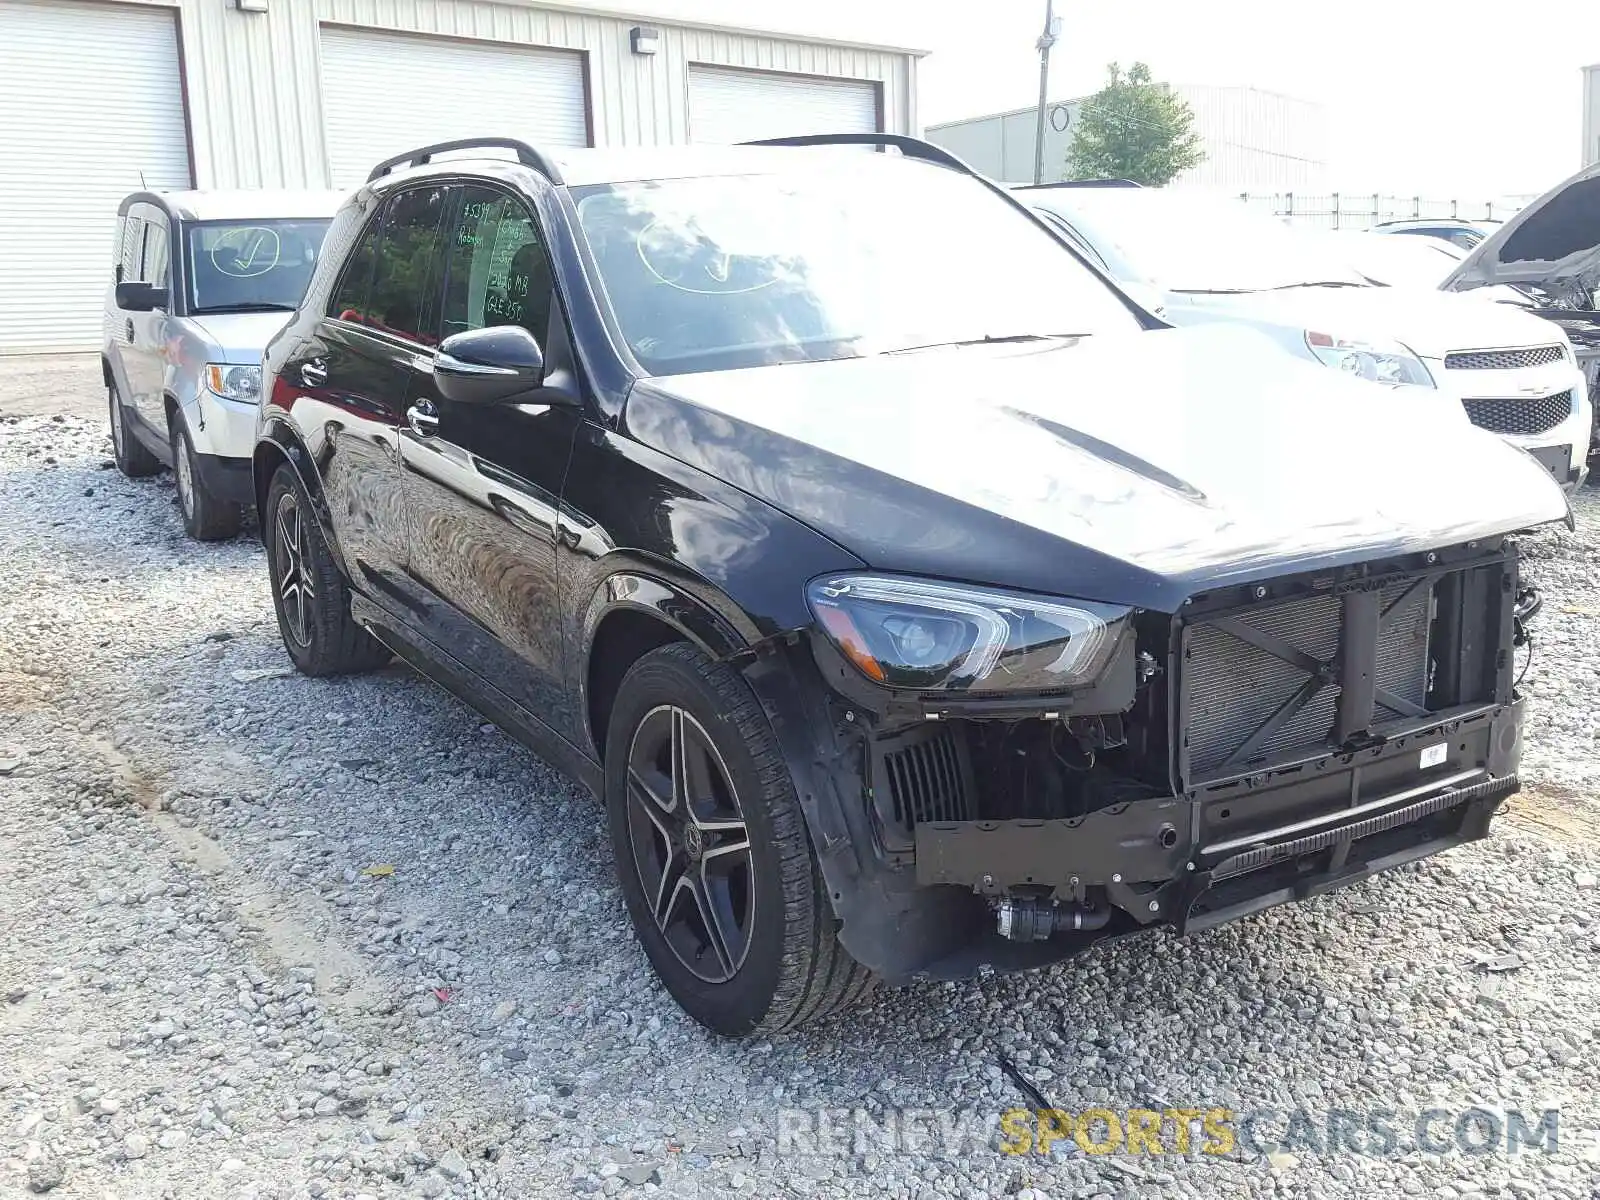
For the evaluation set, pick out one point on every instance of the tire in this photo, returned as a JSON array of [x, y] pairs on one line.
[[314, 617], [132, 459], [205, 518], [787, 966]]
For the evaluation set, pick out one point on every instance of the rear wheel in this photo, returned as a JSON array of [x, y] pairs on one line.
[[133, 460], [205, 517], [712, 851], [310, 595]]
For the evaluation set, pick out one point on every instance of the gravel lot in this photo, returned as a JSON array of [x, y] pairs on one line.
[[263, 936]]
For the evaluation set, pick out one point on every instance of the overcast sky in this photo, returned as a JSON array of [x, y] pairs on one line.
[[1458, 100]]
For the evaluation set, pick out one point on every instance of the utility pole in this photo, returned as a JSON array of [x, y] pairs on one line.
[[1047, 39]]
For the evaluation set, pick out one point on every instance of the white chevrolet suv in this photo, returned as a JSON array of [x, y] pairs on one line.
[[199, 282], [1196, 258]]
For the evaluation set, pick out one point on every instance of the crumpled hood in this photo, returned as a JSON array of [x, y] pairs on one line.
[[1135, 469], [240, 337], [1431, 323], [1554, 241]]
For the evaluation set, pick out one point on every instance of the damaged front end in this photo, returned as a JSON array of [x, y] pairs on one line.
[[1269, 741]]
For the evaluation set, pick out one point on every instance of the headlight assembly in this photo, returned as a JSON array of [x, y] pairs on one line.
[[1380, 361], [234, 382], [925, 635]]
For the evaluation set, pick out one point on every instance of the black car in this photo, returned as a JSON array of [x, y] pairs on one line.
[[914, 600]]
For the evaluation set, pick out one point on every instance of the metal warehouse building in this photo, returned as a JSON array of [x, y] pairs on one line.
[[1254, 140], [100, 98]]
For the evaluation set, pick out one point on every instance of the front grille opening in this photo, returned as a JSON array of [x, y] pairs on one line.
[[1034, 768], [1503, 360], [1266, 684], [1523, 417], [1262, 683]]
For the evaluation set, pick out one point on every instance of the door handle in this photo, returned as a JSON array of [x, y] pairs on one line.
[[314, 372], [130, 330], [423, 418]]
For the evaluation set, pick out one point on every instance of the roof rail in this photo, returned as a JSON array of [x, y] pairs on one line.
[[526, 155], [909, 146], [1079, 183]]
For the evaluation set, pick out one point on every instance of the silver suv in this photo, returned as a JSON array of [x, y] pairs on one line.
[[200, 282]]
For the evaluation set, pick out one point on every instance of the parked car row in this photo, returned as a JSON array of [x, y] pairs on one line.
[[1322, 297], [916, 598]]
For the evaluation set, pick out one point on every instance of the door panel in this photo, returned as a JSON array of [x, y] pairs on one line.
[[359, 372], [145, 359], [484, 481]]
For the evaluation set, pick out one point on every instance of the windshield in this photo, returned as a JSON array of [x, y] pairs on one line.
[[251, 266], [837, 261], [1419, 262], [1196, 243]]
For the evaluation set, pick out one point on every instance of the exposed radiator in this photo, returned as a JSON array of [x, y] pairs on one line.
[[1285, 698]]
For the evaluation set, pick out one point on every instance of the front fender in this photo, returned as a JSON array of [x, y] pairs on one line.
[[278, 442], [693, 617], [886, 921]]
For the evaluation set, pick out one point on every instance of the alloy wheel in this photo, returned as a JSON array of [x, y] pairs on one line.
[[116, 423], [296, 590], [690, 843], [184, 473]]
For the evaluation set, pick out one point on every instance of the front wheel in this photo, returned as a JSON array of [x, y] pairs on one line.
[[205, 517], [308, 592], [712, 851]]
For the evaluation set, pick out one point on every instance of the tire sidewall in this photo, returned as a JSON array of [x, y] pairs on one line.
[[184, 448], [286, 488], [738, 1006], [119, 431]]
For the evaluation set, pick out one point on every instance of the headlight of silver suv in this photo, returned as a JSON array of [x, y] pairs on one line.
[[234, 382], [922, 634], [1380, 361]]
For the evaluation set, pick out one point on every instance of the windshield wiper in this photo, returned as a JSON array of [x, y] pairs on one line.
[[1215, 291], [244, 308], [1283, 287], [991, 340]]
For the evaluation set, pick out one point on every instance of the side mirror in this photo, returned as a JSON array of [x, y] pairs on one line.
[[141, 297], [498, 365]]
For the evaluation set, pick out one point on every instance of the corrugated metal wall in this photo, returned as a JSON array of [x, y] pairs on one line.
[[255, 96], [1591, 115], [1252, 139], [1257, 140]]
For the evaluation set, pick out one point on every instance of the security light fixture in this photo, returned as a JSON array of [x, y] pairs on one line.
[[250, 5], [644, 39]]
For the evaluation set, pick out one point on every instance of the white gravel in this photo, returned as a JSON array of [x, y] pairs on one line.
[[211, 984]]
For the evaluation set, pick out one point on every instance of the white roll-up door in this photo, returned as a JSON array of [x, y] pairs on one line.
[[91, 108], [728, 105], [384, 93]]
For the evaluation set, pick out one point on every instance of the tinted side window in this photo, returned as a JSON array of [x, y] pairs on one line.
[[407, 267], [499, 273], [150, 252], [350, 296], [157, 253], [129, 248]]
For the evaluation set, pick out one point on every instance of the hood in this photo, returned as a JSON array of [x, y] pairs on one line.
[[240, 337], [1551, 249], [1133, 469], [1431, 323]]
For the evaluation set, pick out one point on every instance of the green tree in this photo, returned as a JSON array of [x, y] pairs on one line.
[[1134, 128]]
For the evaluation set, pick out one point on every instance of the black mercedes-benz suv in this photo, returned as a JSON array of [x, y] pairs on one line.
[[913, 599]]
